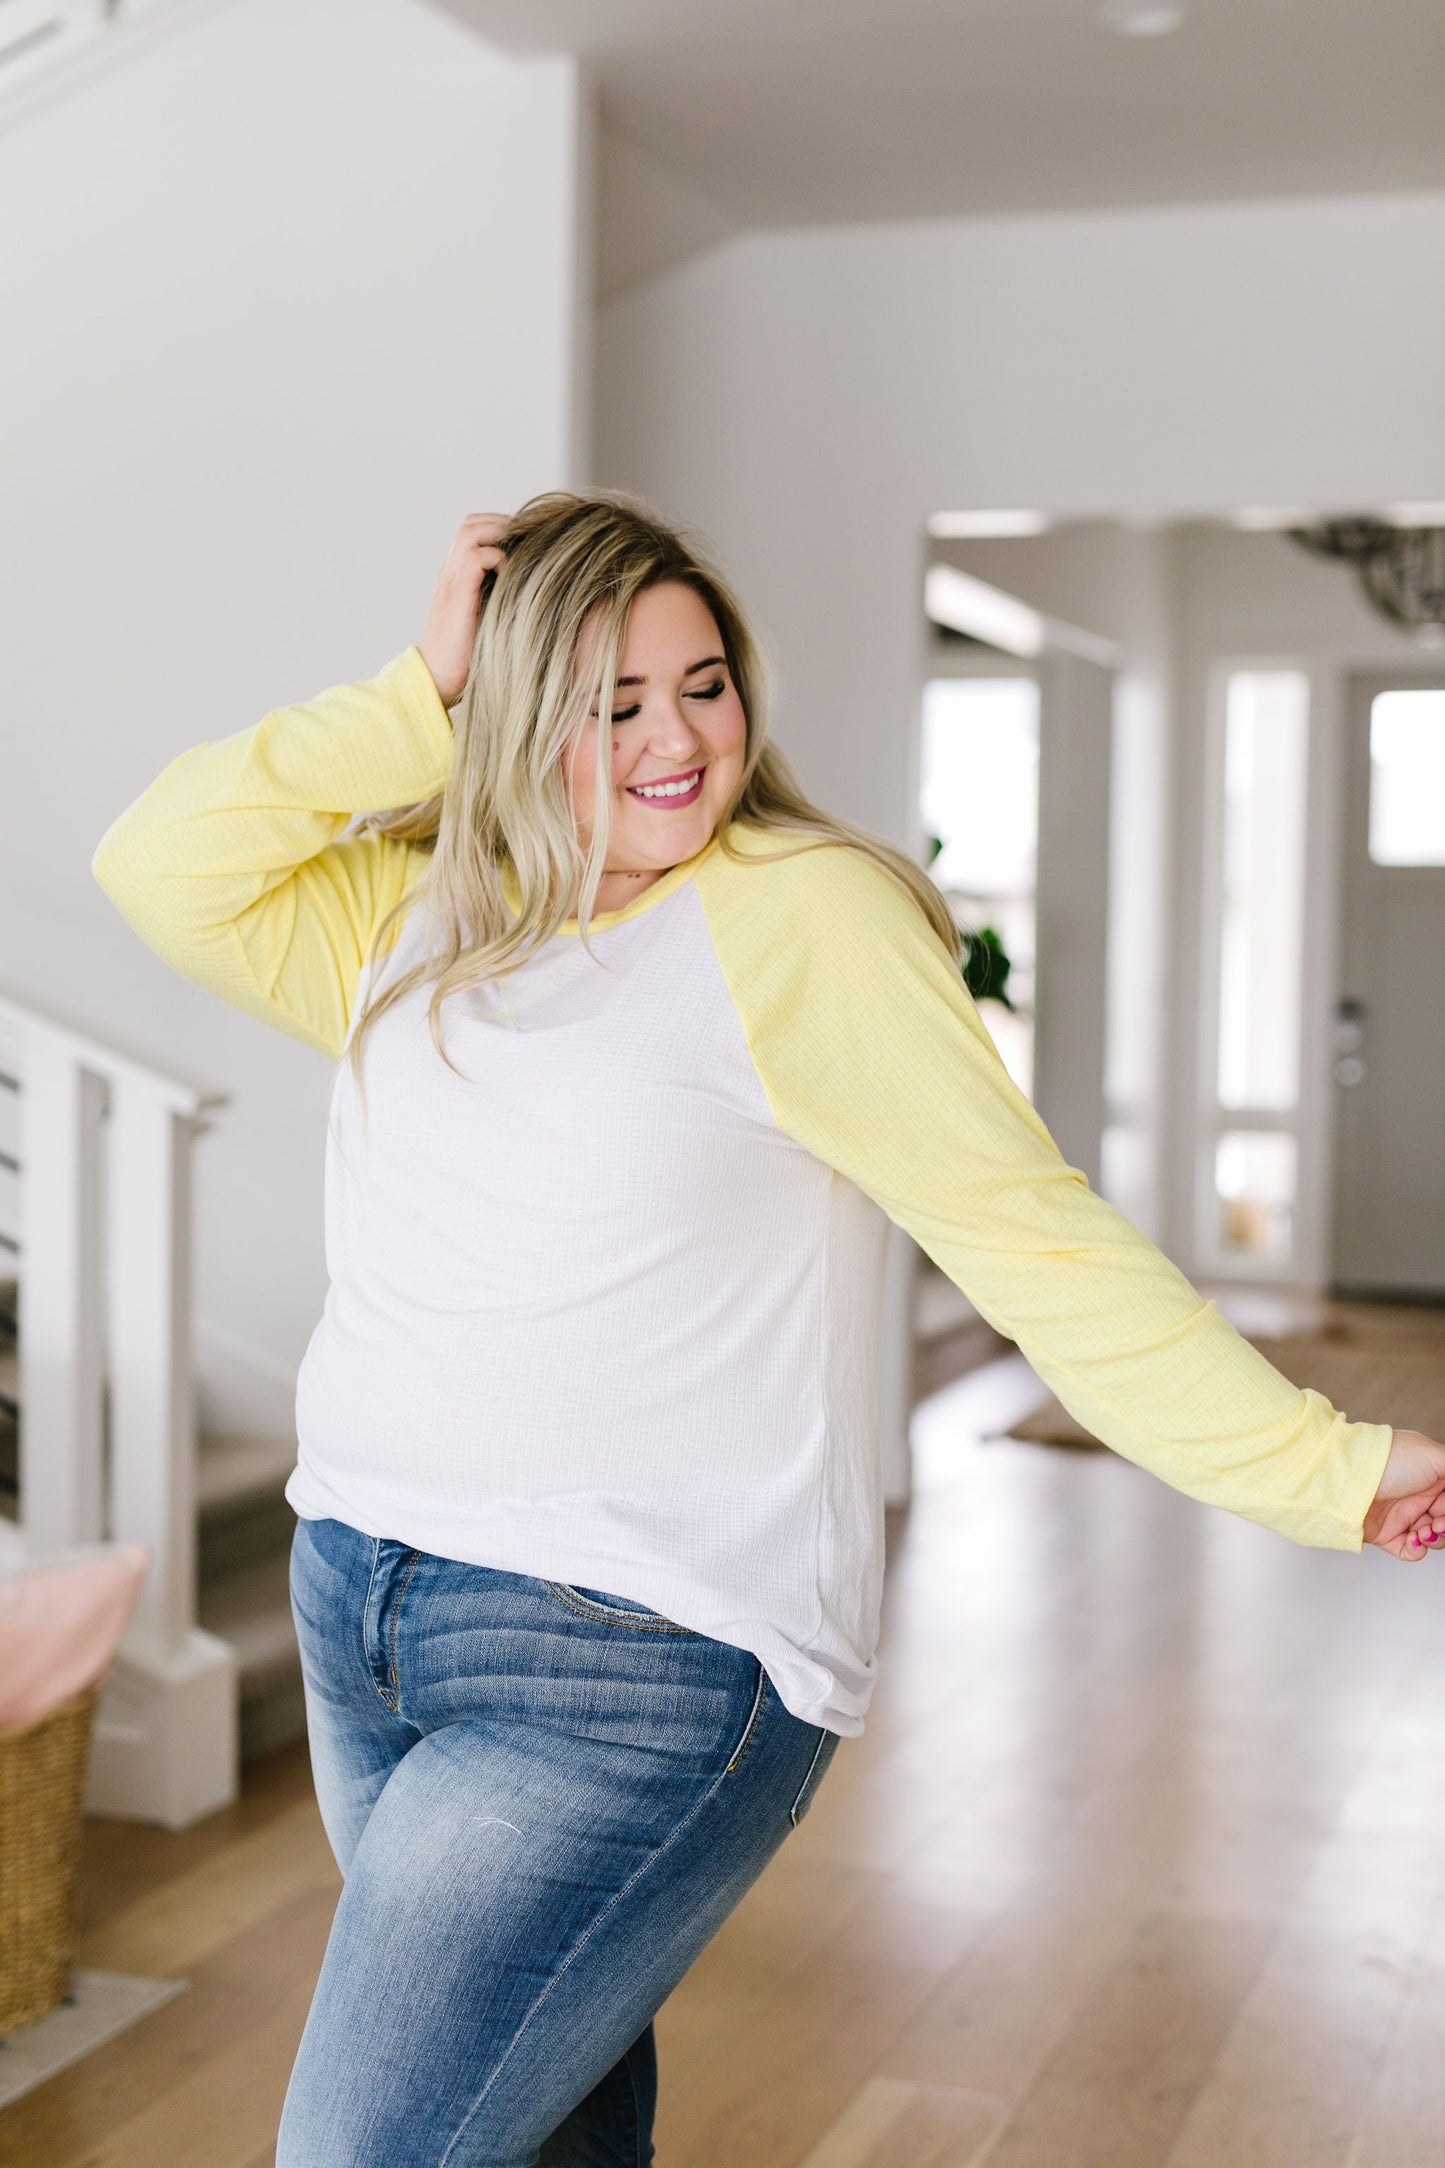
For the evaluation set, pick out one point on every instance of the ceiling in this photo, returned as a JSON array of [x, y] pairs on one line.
[[750, 113]]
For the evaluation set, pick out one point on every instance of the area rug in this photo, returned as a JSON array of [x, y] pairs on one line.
[[100, 2005], [1382, 1364]]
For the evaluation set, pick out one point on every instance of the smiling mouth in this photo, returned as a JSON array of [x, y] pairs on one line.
[[685, 791]]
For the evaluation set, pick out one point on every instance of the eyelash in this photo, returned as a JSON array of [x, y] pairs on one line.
[[709, 692]]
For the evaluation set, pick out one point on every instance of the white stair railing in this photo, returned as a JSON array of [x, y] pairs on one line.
[[106, 1390]]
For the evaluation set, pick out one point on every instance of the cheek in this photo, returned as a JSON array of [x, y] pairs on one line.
[[730, 739]]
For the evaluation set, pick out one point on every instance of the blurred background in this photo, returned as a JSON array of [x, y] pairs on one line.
[[1060, 384]]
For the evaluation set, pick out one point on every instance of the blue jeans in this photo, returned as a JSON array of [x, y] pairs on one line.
[[544, 1800]]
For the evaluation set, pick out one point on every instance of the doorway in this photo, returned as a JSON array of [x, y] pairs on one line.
[[1389, 1026]]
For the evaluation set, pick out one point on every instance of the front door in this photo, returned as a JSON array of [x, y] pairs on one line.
[[1389, 1050]]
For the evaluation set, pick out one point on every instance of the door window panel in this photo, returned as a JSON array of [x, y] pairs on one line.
[[980, 799], [1407, 777], [1255, 1175], [1262, 892]]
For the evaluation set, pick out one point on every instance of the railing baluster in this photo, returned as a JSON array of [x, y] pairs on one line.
[[61, 1319], [152, 1402]]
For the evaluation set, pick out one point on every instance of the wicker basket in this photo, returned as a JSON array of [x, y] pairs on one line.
[[42, 1779]]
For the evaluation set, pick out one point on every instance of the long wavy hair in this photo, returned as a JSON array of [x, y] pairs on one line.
[[549, 644]]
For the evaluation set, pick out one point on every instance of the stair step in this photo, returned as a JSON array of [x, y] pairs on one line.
[[251, 1608], [234, 1469], [243, 1555], [243, 1519]]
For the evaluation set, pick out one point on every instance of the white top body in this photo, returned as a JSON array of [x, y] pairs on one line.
[[594, 1317]]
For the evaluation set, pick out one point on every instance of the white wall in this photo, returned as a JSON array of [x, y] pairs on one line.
[[285, 296]]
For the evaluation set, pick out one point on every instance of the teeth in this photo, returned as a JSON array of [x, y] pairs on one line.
[[667, 790]]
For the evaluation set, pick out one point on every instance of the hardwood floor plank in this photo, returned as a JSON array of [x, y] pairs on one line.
[[1292, 2082], [1402, 2123], [1022, 1986], [1116, 2090], [124, 1860], [224, 2113], [174, 1926], [891, 2121], [771, 2068], [232, 1993]]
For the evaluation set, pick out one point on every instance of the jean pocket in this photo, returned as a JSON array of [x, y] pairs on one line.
[[827, 1747], [600, 1604]]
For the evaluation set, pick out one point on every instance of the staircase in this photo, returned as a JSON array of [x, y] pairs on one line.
[[243, 1545], [98, 1435], [244, 1528]]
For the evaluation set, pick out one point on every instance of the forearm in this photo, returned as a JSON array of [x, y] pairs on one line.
[[232, 867], [227, 820]]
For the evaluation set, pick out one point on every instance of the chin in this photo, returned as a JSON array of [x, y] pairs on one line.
[[662, 839]]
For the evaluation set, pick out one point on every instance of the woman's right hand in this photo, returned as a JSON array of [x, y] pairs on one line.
[[456, 604], [1408, 1513]]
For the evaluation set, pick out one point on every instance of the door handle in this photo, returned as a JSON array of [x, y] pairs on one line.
[[1349, 1027]]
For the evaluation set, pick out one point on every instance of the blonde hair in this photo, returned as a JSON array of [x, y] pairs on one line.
[[548, 647]]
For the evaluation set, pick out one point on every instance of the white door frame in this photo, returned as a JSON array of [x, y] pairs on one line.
[[1311, 1121]]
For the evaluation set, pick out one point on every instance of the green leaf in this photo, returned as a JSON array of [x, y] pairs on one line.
[[986, 965]]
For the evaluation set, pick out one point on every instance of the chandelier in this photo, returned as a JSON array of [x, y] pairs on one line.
[[1401, 569]]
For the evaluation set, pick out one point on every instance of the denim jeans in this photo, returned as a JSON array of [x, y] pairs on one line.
[[544, 1800]]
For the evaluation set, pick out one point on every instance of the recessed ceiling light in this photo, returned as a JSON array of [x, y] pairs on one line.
[[1142, 18], [985, 526]]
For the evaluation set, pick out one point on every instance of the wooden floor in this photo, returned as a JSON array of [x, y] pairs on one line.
[[1139, 1863]]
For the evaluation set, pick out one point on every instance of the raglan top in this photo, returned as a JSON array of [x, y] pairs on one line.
[[604, 1295]]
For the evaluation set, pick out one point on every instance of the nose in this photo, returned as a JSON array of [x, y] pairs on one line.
[[673, 732]]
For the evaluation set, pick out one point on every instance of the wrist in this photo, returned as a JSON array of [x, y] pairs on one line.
[[1414, 1463], [449, 691]]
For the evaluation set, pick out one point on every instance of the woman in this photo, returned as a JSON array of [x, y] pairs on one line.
[[587, 1569]]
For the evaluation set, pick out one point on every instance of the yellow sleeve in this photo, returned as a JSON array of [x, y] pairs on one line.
[[228, 866], [874, 1056]]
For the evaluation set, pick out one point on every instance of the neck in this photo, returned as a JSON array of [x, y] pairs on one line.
[[616, 889]]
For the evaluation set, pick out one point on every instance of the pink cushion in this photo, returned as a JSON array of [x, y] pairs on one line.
[[60, 1626]]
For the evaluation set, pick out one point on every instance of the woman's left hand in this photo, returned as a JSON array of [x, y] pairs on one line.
[[1407, 1517]]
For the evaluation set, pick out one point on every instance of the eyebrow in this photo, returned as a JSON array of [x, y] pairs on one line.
[[709, 662]]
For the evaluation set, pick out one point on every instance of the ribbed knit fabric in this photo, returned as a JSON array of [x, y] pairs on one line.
[[604, 1298]]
